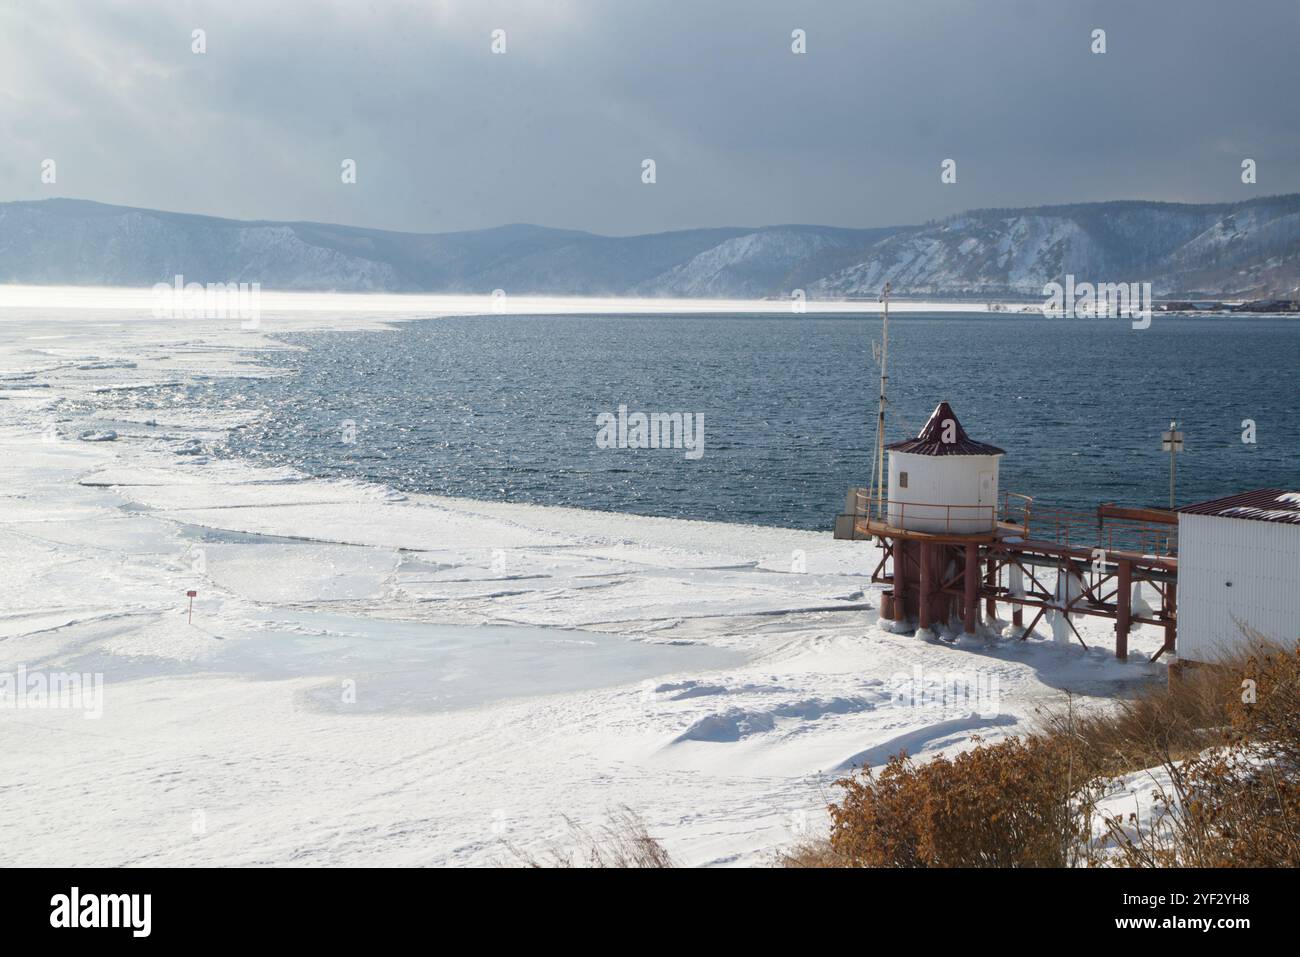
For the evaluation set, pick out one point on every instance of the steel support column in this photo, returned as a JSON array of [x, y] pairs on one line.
[[900, 603], [970, 605], [1123, 608], [923, 594]]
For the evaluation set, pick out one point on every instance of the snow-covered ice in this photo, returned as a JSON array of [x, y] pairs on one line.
[[383, 678]]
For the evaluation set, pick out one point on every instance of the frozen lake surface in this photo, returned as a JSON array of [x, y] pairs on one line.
[[379, 665]]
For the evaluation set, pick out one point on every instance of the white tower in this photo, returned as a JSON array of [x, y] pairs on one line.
[[943, 481]]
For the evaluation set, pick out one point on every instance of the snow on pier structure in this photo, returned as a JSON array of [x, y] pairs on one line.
[[951, 544]]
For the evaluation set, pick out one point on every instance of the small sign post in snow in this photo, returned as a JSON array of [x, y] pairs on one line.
[[190, 594]]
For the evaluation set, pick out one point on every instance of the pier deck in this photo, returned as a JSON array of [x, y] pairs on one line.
[[1098, 558]]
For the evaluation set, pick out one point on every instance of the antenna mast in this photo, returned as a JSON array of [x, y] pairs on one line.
[[880, 422]]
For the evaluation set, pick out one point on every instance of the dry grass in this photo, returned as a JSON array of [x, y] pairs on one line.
[[1237, 803], [812, 853], [622, 841], [1177, 720]]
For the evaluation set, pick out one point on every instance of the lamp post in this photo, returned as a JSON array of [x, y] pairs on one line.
[[880, 421], [1172, 442]]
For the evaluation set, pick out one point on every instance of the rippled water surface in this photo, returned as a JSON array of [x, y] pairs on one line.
[[506, 407]]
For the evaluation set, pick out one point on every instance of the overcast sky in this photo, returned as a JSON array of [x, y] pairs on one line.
[[447, 135]]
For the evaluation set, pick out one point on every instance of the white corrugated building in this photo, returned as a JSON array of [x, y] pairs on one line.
[[1238, 568]]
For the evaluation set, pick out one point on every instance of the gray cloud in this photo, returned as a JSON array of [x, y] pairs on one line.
[[448, 136]]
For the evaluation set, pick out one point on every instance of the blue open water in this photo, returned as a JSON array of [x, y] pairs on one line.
[[505, 407]]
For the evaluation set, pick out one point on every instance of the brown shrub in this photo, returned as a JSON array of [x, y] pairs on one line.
[[1266, 710], [1228, 737], [1009, 804]]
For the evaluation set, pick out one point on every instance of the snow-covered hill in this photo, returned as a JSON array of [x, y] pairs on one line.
[[1247, 250]]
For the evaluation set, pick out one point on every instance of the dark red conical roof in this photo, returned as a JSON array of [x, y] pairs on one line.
[[930, 441]]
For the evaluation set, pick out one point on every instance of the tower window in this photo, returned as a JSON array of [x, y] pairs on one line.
[[902, 480]]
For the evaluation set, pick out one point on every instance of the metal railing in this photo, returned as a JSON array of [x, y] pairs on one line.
[[931, 517], [1091, 530], [1018, 515], [1016, 510]]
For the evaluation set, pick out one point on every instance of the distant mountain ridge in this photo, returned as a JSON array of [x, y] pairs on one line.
[[1249, 249], [1225, 250]]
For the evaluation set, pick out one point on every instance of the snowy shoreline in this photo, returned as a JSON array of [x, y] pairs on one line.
[[231, 740]]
